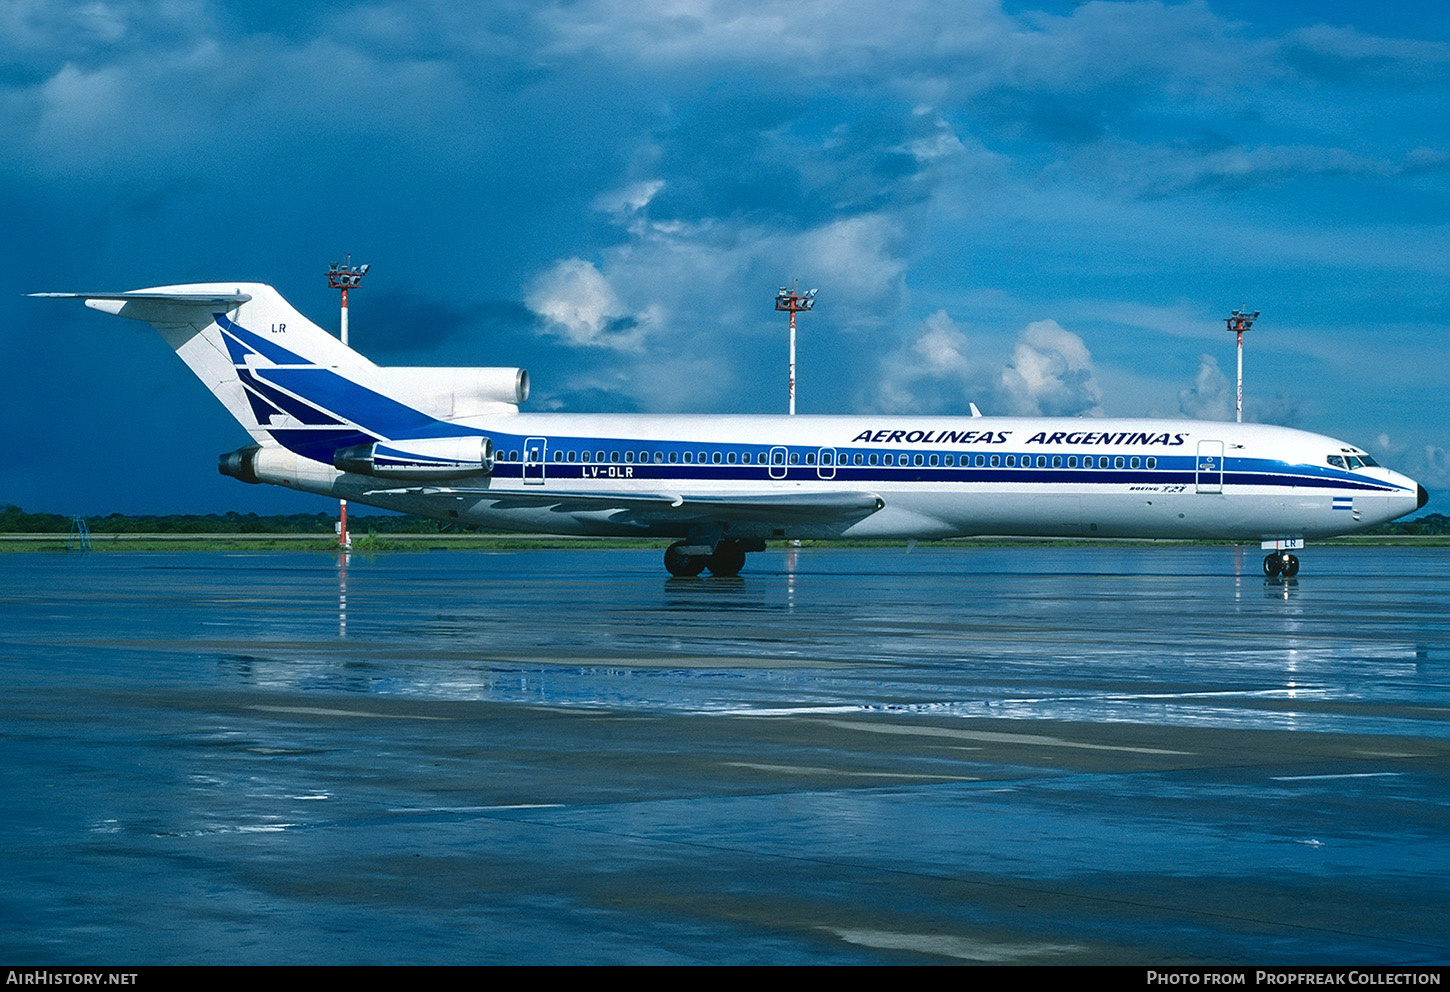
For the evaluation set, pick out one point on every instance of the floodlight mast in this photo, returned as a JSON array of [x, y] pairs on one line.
[[791, 301], [344, 277], [1238, 322]]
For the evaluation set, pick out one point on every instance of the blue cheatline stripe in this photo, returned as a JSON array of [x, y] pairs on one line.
[[867, 476], [1172, 470]]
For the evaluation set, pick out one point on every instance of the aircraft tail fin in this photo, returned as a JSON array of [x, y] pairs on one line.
[[289, 382]]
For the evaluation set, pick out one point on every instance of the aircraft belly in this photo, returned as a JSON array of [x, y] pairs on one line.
[[909, 512]]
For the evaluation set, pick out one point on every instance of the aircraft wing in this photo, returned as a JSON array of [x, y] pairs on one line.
[[754, 507]]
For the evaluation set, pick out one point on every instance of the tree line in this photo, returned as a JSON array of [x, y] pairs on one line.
[[14, 520]]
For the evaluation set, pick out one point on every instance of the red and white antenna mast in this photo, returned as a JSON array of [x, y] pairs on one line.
[[344, 277], [1238, 322], [790, 300]]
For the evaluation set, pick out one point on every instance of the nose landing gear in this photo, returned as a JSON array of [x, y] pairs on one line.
[[1281, 563]]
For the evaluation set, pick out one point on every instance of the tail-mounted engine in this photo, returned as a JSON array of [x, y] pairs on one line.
[[419, 458], [241, 464]]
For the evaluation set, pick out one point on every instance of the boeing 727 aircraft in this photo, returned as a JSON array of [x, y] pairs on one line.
[[450, 443]]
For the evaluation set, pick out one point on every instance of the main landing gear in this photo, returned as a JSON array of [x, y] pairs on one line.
[[1281, 564], [727, 559]]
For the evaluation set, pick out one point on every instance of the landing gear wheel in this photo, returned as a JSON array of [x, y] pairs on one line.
[[728, 559], [682, 565], [1281, 563]]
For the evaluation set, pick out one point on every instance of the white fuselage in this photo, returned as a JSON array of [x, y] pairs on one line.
[[936, 476]]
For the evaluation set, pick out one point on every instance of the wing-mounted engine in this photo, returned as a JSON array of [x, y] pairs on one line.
[[419, 458]]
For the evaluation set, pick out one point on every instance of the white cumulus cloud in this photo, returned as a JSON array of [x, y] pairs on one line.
[[579, 305], [1211, 397], [1051, 374]]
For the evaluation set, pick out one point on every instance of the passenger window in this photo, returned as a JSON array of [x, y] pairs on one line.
[[1057, 461], [795, 457], [689, 457], [917, 460], [931, 460], [674, 457], [1072, 461], [1152, 461], [996, 460], [982, 460], [583, 456], [715, 458], [1011, 461], [1118, 462], [871, 460]]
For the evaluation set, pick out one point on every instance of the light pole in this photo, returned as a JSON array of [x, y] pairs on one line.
[[344, 277], [1238, 322], [790, 300]]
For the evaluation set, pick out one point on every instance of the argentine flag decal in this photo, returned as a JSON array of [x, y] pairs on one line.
[[1343, 502]]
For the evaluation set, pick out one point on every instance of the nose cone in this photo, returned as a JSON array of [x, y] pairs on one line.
[[1423, 498]]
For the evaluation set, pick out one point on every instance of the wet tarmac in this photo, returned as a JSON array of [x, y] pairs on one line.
[[1020, 755]]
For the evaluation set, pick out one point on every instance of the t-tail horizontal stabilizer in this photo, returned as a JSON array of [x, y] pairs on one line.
[[225, 300]]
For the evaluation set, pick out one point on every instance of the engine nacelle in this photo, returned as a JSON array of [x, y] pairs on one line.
[[455, 393], [419, 458], [241, 464]]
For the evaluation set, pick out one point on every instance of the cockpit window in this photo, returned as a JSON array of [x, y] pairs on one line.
[[1336, 461], [1354, 463], [1368, 461]]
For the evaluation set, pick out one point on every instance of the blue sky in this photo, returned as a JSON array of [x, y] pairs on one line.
[[1041, 207]]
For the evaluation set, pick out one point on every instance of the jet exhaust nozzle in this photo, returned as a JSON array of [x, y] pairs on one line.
[[241, 464]]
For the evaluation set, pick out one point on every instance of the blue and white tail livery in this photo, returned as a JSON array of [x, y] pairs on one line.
[[450, 443]]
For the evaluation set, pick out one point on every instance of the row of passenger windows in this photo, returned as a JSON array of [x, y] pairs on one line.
[[859, 458]]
